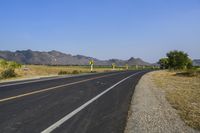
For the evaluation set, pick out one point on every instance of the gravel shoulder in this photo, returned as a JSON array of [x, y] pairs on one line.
[[150, 112]]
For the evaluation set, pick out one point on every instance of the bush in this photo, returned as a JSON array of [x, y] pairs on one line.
[[3, 63], [75, 72], [93, 72], [63, 72], [9, 64], [14, 65], [8, 73], [66, 72]]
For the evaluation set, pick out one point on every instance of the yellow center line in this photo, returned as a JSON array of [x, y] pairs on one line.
[[52, 88]]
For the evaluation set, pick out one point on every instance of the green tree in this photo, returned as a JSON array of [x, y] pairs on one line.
[[164, 63], [178, 60], [189, 65]]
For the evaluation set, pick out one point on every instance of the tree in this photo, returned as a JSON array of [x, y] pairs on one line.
[[164, 63], [189, 65], [178, 60]]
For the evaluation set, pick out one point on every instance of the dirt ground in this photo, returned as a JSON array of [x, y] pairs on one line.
[[150, 112]]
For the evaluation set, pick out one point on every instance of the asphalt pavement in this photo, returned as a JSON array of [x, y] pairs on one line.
[[96, 103]]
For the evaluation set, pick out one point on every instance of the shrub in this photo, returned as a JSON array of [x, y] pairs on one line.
[[8, 73], [94, 72], [63, 72], [75, 72], [3, 63], [14, 65]]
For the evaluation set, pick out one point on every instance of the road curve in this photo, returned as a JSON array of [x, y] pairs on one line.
[[96, 103]]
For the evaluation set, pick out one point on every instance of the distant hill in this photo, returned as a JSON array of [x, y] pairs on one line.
[[196, 62], [59, 58]]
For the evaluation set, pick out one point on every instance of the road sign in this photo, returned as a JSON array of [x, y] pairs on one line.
[[91, 65], [113, 66]]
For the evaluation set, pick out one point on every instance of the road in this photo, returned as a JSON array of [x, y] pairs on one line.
[[96, 103]]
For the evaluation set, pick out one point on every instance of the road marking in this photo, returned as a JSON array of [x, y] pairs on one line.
[[53, 88], [70, 115]]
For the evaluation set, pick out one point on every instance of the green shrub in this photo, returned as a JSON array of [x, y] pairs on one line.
[[8, 73], [61, 72]]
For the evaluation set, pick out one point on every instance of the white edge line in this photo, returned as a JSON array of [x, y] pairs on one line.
[[67, 117]]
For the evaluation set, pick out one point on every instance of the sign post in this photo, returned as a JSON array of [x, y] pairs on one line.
[[113, 66], [126, 66], [91, 65]]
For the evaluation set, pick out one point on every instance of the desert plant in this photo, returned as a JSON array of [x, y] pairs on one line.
[[3, 63], [61, 72], [14, 65], [8, 73], [75, 72]]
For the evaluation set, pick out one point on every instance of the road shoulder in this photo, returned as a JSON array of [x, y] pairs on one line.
[[150, 112]]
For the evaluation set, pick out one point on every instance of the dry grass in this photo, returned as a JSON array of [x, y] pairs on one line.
[[40, 70], [183, 93]]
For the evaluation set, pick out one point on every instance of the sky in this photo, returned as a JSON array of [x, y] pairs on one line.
[[103, 29]]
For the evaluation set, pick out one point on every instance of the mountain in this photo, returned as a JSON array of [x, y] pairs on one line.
[[137, 61], [59, 58], [196, 62]]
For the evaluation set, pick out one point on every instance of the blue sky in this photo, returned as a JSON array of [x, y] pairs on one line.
[[102, 28]]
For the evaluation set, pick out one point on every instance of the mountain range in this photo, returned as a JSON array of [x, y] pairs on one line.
[[58, 58]]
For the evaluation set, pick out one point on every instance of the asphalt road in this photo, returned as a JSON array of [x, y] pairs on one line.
[[96, 103]]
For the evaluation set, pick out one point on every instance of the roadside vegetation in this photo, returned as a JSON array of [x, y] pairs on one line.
[[8, 69], [183, 93], [31, 71], [181, 82], [12, 70]]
